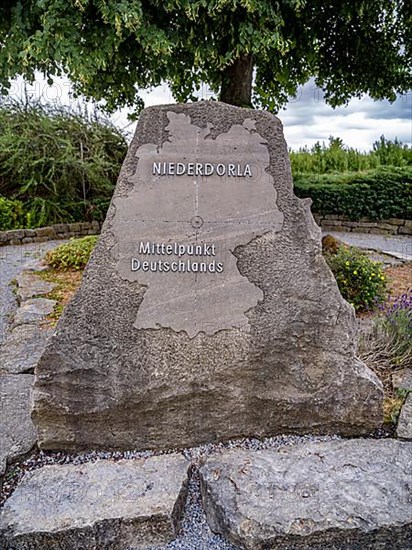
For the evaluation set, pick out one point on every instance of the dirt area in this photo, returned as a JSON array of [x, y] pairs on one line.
[[400, 279], [67, 282]]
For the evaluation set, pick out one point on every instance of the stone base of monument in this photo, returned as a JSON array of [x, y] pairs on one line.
[[337, 494]]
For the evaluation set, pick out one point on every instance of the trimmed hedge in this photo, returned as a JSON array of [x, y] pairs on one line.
[[377, 195]]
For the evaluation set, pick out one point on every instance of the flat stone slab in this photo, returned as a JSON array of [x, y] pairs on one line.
[[117, 505], [404, 429], [402, 380], [31, 285], [22, 349], [336, 494], [33, 310], [18, 435]]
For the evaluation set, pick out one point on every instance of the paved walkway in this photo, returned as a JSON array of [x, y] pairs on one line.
[[12, 261], [399, 245]]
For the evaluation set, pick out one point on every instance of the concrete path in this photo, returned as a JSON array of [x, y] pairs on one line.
[[12, 262], [398, 245]]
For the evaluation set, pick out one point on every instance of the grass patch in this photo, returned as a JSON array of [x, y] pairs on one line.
[[67, 282]]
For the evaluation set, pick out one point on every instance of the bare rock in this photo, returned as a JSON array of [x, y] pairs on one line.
[[17, 433], [31, 285], [33, 310], [404, 428], [22, 349], [329, 495], [402, 380], [95, 506], [207, 311]]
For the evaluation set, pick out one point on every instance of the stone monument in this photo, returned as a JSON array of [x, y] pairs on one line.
[[206, 311]]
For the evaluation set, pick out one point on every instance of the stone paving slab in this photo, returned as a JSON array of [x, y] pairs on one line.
[[33, 311], [404, 429], [22, 349], [102, 505], [31, 285], [332, 495], [17, 433]]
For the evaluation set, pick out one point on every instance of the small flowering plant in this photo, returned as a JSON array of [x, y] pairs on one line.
[[396, 321], [361, 281]]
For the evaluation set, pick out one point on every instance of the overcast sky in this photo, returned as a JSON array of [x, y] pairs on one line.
[[306, 118]]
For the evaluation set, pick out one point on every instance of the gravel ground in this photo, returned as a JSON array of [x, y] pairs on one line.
[[12, 262]]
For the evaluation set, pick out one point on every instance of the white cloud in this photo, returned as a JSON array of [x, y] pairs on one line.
[[306, 118]]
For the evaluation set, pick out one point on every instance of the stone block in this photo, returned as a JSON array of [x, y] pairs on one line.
[[336, 494], [18, 435], [95, 506], [404, 428], [46, 232], [22, 348]]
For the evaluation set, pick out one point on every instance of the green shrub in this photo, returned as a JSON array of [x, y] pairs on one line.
[[74, 254], [375, 195], [337, 158], [11, 214], [62, 164], [361, 281]]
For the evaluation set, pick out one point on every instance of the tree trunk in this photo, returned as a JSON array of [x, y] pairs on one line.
[[237, 82]]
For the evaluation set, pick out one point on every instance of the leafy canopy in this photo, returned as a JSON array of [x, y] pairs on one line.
[[111, 48]]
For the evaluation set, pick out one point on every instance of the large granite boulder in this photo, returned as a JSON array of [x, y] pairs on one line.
[[207, 311], [331, 495]]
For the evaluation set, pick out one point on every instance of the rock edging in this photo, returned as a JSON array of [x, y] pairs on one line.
[[392, 226], [50, 233]]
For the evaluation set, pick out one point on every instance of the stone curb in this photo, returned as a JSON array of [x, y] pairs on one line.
[[392, 226], [51, 233]]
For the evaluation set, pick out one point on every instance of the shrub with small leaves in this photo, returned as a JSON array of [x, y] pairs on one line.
[[361, 281], [74, 254]]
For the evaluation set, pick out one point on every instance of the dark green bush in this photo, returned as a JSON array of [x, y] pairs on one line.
[[75, 254], [376, 195], [11, 214], [361, 281], [62, 164]]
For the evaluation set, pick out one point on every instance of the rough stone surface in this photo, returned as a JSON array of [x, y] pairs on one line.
[[17, 433], [34, 310], [119, 373], [402, 380], [116, 505], [30, 285], [22, 349], [404, 428], [334, 495]]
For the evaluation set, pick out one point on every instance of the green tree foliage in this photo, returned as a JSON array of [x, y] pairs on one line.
[[110, 48]]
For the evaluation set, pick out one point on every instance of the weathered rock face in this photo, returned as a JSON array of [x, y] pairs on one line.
[[17, 433], [116, 505], [335, 494], [207, 311]]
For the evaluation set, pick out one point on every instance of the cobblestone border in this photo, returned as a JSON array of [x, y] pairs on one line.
[[329, 222], [51, 233], [392, 226]]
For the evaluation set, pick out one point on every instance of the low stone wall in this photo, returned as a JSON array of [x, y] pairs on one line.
[[42, 234], [393, 226]]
